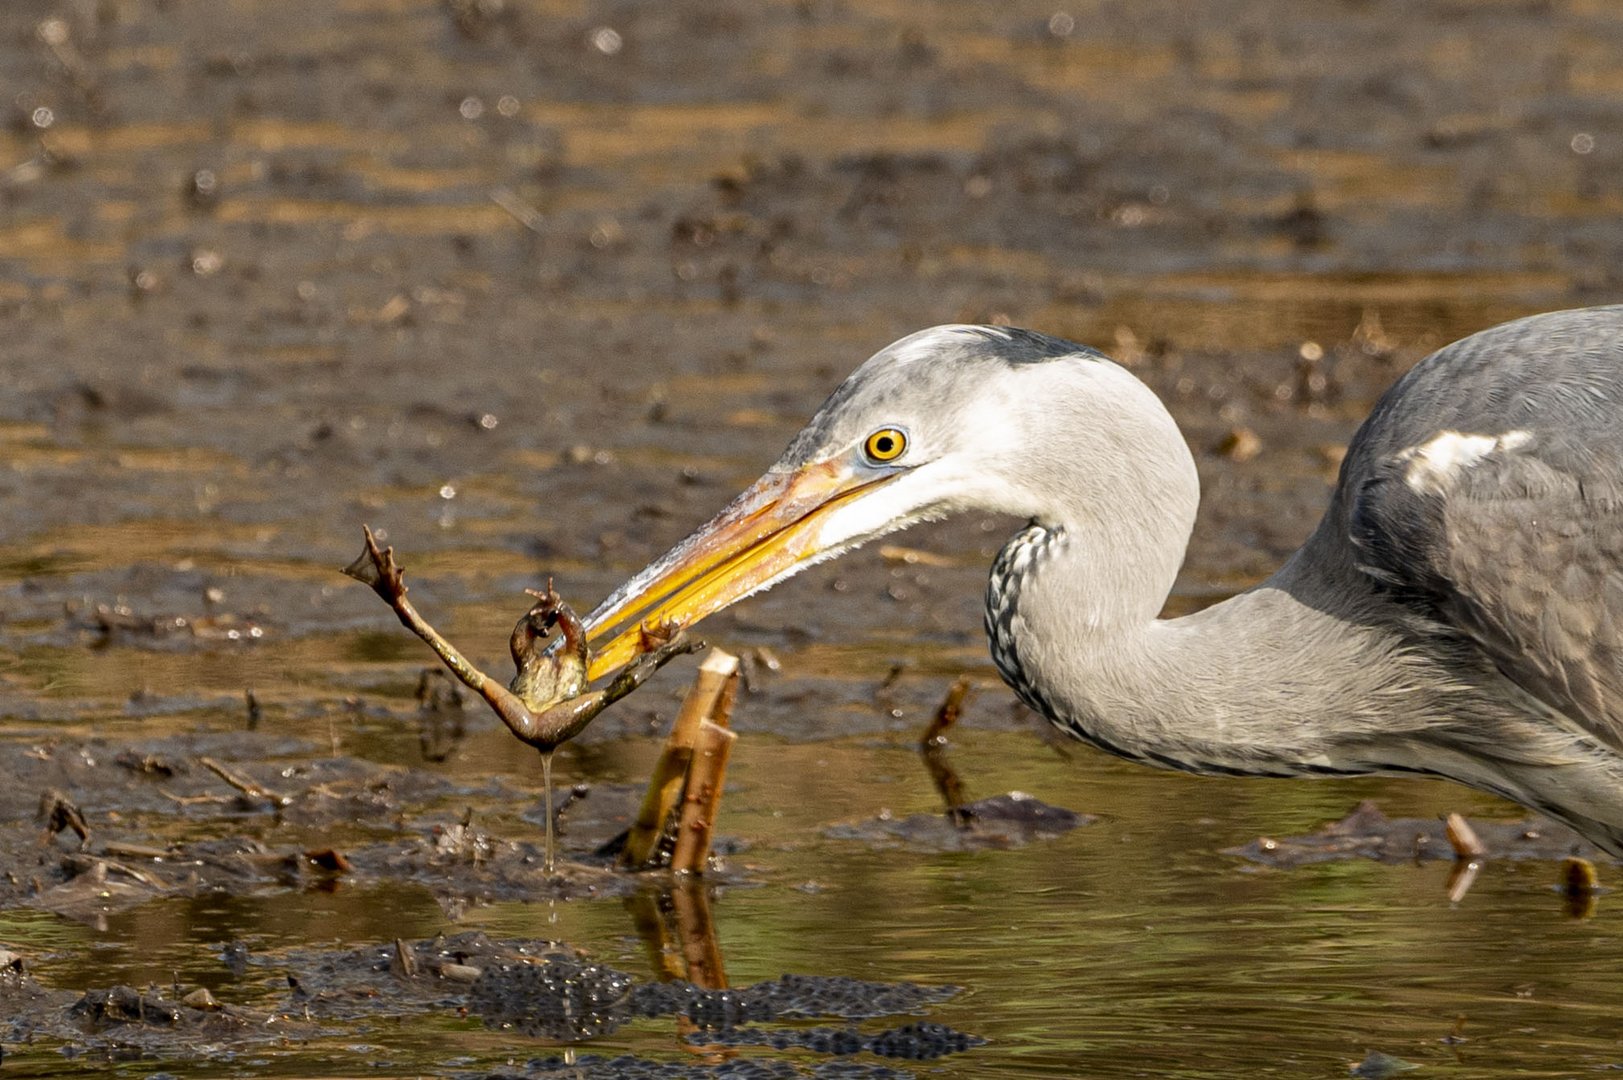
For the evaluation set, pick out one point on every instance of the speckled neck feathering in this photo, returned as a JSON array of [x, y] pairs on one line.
[[1457, 613]]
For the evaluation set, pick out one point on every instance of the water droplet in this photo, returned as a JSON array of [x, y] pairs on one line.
[[1130, 216], [205, 184], [53, 32], [607, 40]]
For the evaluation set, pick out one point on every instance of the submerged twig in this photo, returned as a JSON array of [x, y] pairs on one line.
[[245, 784], [439, 708], [136, 851], [149, 880], [526, 215], [934, 748], [403, 960]]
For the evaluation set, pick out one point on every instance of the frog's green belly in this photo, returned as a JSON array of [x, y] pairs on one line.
[[549, 680]]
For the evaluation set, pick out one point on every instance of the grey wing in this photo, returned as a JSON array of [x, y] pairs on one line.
[[1503, 523]]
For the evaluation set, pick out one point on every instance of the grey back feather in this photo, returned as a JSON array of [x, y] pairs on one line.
[[1520, 547]]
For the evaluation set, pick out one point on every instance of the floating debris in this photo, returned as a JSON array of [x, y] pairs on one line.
[[58, 814], [124, 625], [1239, 444], [1002, 821], [1368, 833]]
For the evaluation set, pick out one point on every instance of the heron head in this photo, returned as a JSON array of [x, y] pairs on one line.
[[947, 419]]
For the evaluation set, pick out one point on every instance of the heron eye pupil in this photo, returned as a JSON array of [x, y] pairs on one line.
[[883, 444]]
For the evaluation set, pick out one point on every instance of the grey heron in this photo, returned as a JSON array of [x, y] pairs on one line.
[[1457, 613]]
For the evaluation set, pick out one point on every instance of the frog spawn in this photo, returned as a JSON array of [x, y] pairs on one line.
[[561, 998]]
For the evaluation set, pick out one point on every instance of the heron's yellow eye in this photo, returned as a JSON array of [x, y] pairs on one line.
[[886, 444]]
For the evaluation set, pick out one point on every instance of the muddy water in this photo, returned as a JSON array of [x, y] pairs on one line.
[[534, 287]]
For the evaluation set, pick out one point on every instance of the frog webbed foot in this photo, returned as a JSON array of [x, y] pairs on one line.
[[375, 567], [661, 643]]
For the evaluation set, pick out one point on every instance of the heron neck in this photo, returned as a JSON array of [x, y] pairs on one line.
[[1254, 685]]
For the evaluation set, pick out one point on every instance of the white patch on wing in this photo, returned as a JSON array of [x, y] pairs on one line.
[[1435, 464]]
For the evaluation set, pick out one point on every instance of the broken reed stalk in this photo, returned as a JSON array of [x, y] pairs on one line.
[[712, 694], [1469, 851], [702, 797], [1462, 838]]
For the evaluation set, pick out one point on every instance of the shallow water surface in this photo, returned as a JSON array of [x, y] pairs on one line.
[[1125, 947]]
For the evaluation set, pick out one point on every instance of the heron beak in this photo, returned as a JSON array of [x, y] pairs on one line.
[[774, 528]]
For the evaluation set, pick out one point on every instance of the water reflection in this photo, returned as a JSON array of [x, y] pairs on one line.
[[1104, 946], [678, 932]]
